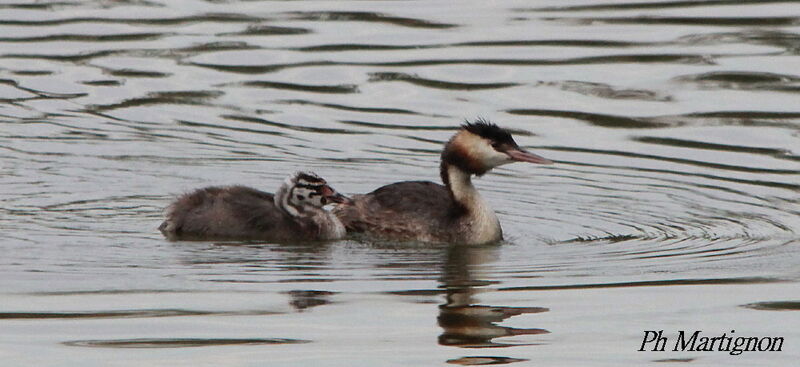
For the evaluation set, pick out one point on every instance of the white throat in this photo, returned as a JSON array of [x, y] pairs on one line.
[[331, 228], [482, 225]]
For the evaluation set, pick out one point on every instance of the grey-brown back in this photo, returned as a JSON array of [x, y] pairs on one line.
[[410, 210], [233, 212]]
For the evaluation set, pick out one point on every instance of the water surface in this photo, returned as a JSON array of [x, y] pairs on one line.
[[674, 202]]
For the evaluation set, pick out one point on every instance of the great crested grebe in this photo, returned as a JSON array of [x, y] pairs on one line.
[[429, 212], [294, 213]]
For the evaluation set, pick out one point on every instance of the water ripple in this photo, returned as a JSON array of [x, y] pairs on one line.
[[89, 37], [124, 314], [749, 118], [744, 80], [438, 84], [690, 21], [673, 125], [200, 18], [178, 342], [659, 5], [775, 306], [354, 16], [349, 88], [670, 282]]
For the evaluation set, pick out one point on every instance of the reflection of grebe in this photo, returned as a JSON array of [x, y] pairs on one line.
[[236, 212], [453, 213], [476, 325], [464, 322]]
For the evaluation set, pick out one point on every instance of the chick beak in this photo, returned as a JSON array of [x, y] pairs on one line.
[[334, 196], [520, 155], [340, 199]]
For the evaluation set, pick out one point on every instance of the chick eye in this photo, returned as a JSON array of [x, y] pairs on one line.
[[323, 201]]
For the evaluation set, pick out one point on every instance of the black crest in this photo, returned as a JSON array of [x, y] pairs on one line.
[[488, 130]]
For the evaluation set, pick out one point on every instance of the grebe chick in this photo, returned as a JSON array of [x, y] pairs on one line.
[[294, 213], [429, 212]]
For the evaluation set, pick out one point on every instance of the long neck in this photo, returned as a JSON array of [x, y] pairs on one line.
[[477, 220], [459, 183]]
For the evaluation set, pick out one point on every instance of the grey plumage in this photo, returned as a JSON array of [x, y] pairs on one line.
[[244, 213]]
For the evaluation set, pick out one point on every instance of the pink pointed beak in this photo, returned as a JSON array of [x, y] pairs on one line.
[[520, 155]]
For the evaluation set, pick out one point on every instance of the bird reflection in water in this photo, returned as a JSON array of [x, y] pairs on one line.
[[301, 300], [466, 323]]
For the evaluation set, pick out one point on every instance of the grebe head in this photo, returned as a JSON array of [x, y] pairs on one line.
[[480, 146], [305, 191]]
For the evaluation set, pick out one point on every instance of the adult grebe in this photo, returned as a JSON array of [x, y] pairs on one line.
[[429, 212], [294, 213]]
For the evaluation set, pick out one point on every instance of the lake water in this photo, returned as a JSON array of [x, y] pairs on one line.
[[674, 203]]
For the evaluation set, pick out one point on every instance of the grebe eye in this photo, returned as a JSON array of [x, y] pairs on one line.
[[323, 201], [300, 197]]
